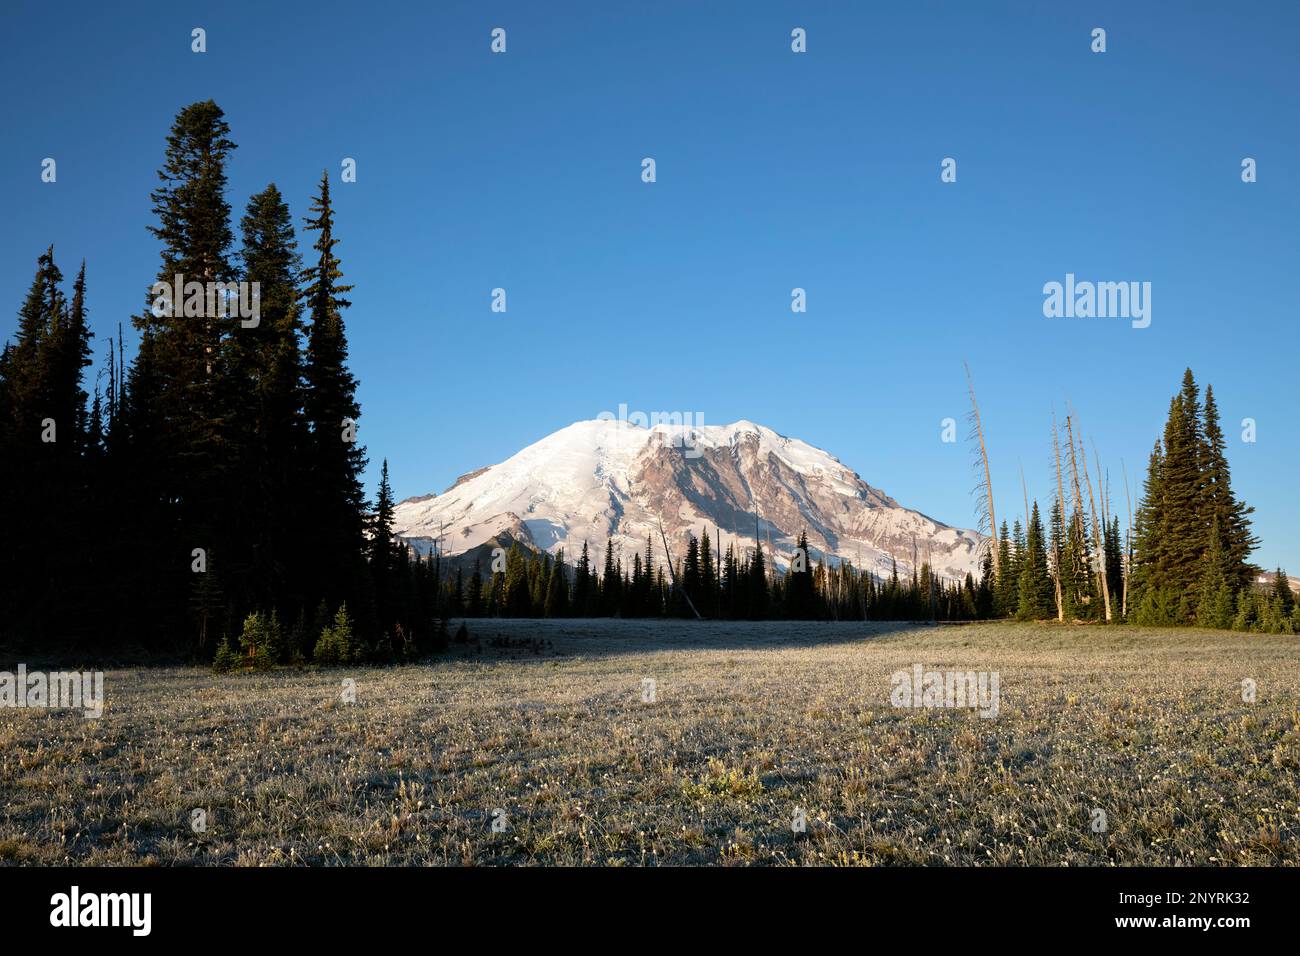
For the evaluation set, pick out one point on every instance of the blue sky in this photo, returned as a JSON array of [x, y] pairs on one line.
[[775, 170]]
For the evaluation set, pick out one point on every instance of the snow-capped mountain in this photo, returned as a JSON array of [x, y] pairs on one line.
[[611, 482]]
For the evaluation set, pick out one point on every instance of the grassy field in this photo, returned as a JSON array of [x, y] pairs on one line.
[[546, 722]]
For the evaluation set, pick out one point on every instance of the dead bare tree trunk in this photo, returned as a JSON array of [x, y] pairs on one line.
[[1058, 556], [1096, 533], [1127, 566], [1024, 489], [1076, 519], [986, 488]]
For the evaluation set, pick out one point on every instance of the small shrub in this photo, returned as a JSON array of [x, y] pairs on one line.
[[227, 658], [337, 644], [261, 640]]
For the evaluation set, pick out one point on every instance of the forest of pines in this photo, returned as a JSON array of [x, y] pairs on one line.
[[205, 500]]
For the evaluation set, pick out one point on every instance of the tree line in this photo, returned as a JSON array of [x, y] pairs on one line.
[[212, 485], [1181, 559], [738, 584]]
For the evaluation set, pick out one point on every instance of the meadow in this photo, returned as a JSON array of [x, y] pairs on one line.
[[542, 742]]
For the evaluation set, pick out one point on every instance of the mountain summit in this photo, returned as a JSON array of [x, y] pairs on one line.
[[612, 481]]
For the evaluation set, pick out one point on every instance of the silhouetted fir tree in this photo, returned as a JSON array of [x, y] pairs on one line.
[[27, 462], [557, 590], [730, 584], [336, 456], [689, 578], [49, 534], [610, 591], [583, 598], [800, 596], [263, 399], [633, 603], [648, 598], [383, 553], [707, 602], [185, 458], [757, 586]]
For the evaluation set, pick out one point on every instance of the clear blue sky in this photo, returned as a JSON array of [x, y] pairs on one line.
[[775, 170]]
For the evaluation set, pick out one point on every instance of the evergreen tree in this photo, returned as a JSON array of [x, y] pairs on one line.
[[331, 408], [1114, 549], [557, 590], [49, 532], [182, 459], [384, 554], [583, 598], [1005, 596], [611, 597], [263, 400], [1035, 593], [1233, 515], [800, 592], [515, 597], [1191, 531], [757, 587], [690, 577], [1215, 607], [1182, 530], [1282, 592], [707, 601], [1146, 577]]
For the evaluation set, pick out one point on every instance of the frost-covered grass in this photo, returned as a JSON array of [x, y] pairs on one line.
[[750, 722]]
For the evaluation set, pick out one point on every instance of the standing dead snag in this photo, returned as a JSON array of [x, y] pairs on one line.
[[1127, 566], [1059, 553], [1024, 490], [1096, 532], [1076, 520], [985, 488]]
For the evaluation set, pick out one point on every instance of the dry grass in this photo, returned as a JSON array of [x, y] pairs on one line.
[[750, 723]]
